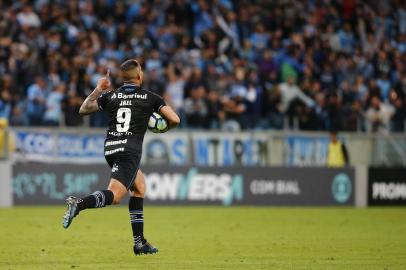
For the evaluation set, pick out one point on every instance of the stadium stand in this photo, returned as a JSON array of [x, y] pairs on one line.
[[223, 64]]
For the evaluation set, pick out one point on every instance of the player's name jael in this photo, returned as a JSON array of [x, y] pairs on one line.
[[125, 103]]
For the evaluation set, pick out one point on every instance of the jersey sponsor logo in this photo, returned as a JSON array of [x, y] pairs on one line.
[[110, 152], [115, 168], [129, 96], [110, 143]]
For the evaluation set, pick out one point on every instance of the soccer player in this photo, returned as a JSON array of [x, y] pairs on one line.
[[129, 108]]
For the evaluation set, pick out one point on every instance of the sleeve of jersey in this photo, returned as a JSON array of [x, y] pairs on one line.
[[101, 101], [159, 103]]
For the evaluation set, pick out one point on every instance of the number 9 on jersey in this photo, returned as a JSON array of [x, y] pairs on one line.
[[157, 124]]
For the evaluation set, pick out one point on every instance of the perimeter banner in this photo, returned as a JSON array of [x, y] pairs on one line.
[[50, 146], [302, 150], [175, 148], [387, 186], [40, 183]]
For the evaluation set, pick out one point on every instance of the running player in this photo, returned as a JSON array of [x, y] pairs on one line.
[[129, 108]]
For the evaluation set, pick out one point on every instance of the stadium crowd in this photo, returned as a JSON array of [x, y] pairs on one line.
[[222, 64]]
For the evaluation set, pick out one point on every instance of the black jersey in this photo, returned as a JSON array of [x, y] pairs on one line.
[[129, 108]]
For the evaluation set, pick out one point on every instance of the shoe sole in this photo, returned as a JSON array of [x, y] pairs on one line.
[[69, 214], [145, 253]]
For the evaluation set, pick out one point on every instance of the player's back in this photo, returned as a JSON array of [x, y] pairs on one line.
[[129, 108]]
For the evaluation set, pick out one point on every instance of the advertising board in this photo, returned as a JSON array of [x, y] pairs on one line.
[[175, 148], [39, 183], [387, 186], [302, 150], [57, 147]]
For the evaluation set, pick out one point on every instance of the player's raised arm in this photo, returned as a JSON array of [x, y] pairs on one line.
[[170, 115], [90, 104]]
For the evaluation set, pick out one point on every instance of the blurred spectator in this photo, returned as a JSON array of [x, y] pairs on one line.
[[321, 114], [267, 65], [291, 96], [195, 80], [384, 86], [5, 104], [259, 38], [53, 111], [175, 90], [28, 18], [154, 63], [334, 113], [36, 95], [253, 101], [346, 38], [196, 108], [337, 155], [71, 105], [215, 113], [154, 83], [5, 98], [290, 92], [399, 116], [379, 115]]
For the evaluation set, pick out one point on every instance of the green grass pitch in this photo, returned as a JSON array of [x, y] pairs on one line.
[[206, 238]]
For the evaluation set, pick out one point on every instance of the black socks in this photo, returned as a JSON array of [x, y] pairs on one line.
[[96, 199], [136, 209]]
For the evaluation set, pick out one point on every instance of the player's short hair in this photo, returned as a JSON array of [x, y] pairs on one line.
[[130, 69], [129, 65]]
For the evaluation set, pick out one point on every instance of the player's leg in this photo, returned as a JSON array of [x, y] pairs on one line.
[[115, 192], [118, 189], [136, 209], [101, 198]]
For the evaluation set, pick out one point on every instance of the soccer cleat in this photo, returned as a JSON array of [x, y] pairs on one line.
[[146, 248], [72, 204]]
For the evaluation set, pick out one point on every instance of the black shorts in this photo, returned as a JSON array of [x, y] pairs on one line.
[[124, 168]]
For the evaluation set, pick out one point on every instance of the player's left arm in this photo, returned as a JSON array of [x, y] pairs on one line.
[[90, 105], [170, 115], [166, 111]]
